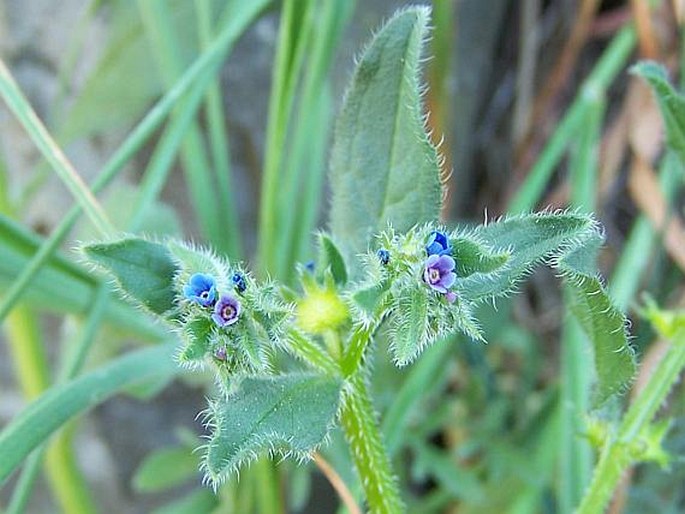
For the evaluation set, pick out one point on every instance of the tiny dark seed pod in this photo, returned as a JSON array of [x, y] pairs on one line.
[[238, 280]]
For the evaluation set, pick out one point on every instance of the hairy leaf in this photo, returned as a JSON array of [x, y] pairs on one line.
[[144, 270], [61, 285], [285, 414], [472, 257], [529, 239], [568, 242], [604, 324], [671, 103], [384, 168], [196, 336], [410, 330]]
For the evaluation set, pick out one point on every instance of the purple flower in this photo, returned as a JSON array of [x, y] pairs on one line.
[[438, 244], [220, 354], [201, 289], [226, 311], [439, 274]]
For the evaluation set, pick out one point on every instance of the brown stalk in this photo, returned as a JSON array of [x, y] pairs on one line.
[[649, 47], [556, 80], [337, 483]]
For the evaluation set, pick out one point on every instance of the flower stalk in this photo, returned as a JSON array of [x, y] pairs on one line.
[[361, 429], [619, 452]]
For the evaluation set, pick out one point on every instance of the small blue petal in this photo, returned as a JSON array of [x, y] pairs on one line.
[[438, 244], [201, 289]]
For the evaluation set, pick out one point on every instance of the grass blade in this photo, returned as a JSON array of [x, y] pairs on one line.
[[206, 64], [56, 406], [23, 111]]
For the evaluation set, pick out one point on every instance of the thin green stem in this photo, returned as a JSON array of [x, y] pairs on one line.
[[312, 353], [66, 481], [160, 31], [360, 339], [23, 111], [294, 32], [268, 488], [207, 63], [617, 454], [576, 380], [218, 140], [611, 63], [359, 422], [68, 370], [628, 272]]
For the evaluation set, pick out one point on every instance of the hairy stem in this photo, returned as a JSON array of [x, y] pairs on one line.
[[371, 460], [616, 456]]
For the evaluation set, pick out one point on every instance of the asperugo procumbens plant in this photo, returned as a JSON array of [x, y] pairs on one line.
[[384, 265]]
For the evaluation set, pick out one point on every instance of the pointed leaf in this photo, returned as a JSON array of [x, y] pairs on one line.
[[605, 326], [284, 414], [472, 257], [409, 331], [384, 168], [331, 258], [671, 103], [144, 270], [529, 239]]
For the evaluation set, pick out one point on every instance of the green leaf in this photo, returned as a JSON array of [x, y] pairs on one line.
[[61, 285], [165, 468], [569, 242], [529, 239], [288, 414], [473, 257], [671, 103], [331, 258], [605, 326], [144, 270], [196, 338], [366, 301], [384, 168], [62, 402], [409, 330]]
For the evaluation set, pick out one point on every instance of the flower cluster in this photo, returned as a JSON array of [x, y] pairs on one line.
[[225, 318], [438, 270], [413, 281], [201, 289]]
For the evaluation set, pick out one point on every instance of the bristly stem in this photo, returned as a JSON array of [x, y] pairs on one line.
[[616, 456], [359, 422]]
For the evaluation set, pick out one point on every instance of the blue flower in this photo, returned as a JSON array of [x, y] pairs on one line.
[[238, 280], [383, 256], [438, 244], [201, 289], [226, 311]]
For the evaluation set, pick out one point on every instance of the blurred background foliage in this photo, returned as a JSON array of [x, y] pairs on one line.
[[533, 105]]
